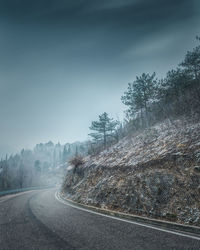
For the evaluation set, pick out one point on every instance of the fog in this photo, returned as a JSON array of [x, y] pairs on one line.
[[64, 63]]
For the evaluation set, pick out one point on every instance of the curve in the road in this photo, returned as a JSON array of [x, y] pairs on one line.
[[37, 220], [52, 235], [57, 196]]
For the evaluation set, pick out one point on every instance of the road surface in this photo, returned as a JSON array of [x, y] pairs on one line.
[[37, 220]]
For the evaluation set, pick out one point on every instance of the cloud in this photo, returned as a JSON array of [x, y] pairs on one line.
[[149, 48], [73, 58], [115, 4]]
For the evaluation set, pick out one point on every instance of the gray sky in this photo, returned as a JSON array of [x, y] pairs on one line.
[[62, 63]]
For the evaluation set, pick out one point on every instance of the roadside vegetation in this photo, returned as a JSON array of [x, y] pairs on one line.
[[150, 100]]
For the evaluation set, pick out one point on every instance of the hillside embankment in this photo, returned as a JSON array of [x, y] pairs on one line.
[[154, 173]]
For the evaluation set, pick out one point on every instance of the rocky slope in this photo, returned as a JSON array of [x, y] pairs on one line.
[[154, 173]]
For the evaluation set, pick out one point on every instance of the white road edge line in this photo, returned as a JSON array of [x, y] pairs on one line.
[[124, 220]]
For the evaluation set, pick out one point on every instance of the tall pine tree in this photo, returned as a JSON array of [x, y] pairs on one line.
[[139, 94], [104, 128]]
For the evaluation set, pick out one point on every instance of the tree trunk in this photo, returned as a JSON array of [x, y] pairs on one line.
[[147, 115]]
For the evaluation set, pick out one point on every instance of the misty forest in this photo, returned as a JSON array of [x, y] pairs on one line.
[[148, 100]]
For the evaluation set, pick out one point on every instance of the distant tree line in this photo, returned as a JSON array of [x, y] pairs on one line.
[[37, 167], [150, 100]]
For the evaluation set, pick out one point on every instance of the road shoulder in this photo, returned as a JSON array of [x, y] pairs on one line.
[[165, 226]]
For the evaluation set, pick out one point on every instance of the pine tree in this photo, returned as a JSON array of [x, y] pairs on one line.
[[191, 63], [21, 174], [37, 166], [139, 94], [54, 158], [104, 128], [64, 155]]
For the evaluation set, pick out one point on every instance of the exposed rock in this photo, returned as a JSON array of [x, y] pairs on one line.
[[159, 179], [197, 169]]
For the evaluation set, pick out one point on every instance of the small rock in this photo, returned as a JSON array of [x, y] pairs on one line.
[[197, 169], [197, 156]]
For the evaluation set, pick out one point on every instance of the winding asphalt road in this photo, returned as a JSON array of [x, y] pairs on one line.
[[37, 220]]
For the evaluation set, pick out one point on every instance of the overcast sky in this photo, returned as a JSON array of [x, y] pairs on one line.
[[62, 63]]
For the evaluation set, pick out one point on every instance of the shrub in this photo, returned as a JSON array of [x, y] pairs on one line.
[[76, 160]]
